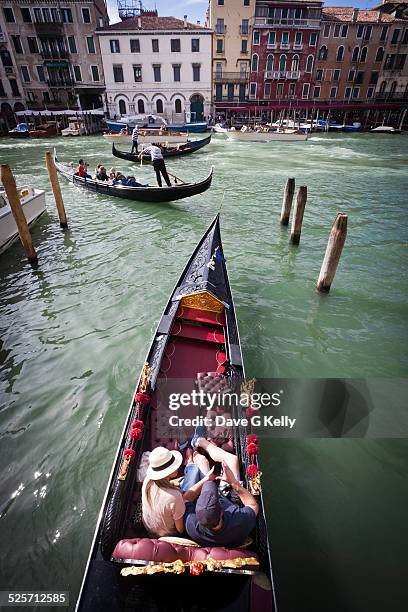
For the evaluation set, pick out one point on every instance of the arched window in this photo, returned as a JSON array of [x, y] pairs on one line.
[[354, 57], [295, 63], [282, 63], [340, 54], [254, 65], [309, 63], [380, 54], [323, 53], [383, 86], [363, 54], [159, 106], [122, 107], [177, 105], [393, 87], [269, 63], [140, 107]]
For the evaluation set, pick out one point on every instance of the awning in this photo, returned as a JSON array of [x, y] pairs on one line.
[[27, 113]]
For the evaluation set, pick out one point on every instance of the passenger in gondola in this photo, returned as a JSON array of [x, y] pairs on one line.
[[101, 174], [112, 174], [82, 170], [158, 163], [163, 503]]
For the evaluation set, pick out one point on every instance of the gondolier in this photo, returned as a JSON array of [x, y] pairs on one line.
[[158, 163], [135, 136]]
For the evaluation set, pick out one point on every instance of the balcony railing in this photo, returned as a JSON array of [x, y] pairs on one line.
[[55, 27], [231, 99], [282, 74], [284, 23], [284, 46], [244, 30], [271, 46], [297, 46], [231, 77], [60, 82], [220, 29], [3, 37]]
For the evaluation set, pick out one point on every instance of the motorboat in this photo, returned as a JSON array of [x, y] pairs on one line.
[[75, 128], [33, 204]]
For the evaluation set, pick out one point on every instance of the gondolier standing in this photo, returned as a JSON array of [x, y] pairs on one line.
[[135, 136], [158, 163]]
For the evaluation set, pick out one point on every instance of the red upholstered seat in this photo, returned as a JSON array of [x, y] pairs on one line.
[[146, 549], [202, 316], [198, 332]]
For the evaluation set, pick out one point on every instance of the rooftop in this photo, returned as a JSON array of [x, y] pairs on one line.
[[151, 22], [345, 14]]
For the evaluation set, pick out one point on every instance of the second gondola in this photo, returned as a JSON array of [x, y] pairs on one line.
[[167, 151]]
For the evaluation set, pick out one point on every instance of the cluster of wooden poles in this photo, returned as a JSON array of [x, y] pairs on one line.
[[9, 183], [336, 239]]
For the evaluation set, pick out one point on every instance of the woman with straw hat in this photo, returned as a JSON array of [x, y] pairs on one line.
[[163, 502]]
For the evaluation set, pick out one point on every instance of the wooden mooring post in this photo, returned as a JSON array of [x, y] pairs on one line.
[[287, 201], [298, 213], [10, 187], [333, 251], [52, 173]]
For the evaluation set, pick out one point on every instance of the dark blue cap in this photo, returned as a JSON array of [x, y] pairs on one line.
[[208, 507]]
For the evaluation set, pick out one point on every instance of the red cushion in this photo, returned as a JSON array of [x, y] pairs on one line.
[[203, 316], [196, 332], [146, 549]]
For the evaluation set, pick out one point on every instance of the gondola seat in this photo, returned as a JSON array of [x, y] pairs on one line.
[[212, 382], [145, 549]]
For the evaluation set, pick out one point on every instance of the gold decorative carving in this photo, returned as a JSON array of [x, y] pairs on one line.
[[255, 484], [144, 379], [178, 567], [203, 300], [124, 469]]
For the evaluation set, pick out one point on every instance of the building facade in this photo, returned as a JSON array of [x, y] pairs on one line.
[[393, 82], [50, 56], [231, 22], [352, 55], [157, 65], [284, 46]]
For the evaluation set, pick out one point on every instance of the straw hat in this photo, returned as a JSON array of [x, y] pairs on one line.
[[163, 462]]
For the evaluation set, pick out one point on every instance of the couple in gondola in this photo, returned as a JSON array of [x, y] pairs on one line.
[[196, 503]]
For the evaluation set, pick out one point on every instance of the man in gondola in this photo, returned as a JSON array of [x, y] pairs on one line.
[[135, 136], [158, 163]]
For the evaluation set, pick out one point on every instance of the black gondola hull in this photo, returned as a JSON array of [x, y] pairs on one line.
[[185, 149]]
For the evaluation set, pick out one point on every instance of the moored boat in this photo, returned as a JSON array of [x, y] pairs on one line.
[[177, 151], [146, 193], [191, 128], [33, 205], [75, 127], [21, 130], [196, 346], [385, 129], [266, 136]]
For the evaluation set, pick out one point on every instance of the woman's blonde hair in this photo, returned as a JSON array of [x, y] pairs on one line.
[[153, 488]]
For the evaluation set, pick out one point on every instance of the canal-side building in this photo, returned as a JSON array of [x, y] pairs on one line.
[[50, 56], [393, 81], [158, 65], [231, 22], [285, 40]]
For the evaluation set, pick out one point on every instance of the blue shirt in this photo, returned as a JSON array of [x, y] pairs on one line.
[[237, 523]]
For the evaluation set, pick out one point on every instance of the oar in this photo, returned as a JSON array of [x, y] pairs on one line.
[[141, 159], [177, 178]]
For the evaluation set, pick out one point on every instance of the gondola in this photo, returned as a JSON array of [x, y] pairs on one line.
[[141, 194], [197, 335], [173, 151]]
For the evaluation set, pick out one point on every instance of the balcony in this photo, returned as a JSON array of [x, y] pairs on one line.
[[230, 99], [3, 37], [282, 74], [220, 30], [60, 83], [271, 46], [54, 55], [9, 70], [231, 77], [284, 46], [297, 46], [284, 23], [54, 28], [244, 30]]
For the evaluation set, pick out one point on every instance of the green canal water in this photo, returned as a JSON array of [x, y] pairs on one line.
[[74, 333]]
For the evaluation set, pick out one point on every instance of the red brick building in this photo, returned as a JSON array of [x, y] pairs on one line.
[[285, 40]]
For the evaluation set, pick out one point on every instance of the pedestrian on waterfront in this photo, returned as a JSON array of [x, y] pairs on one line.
[[158, 163], [135, 135]]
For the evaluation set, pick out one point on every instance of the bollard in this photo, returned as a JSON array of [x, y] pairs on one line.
[[52, 173], [333, 251], [297, 218], [287, 201], [9, 183]]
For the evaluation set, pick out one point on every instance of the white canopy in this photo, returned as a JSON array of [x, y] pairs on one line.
[[27, 113]]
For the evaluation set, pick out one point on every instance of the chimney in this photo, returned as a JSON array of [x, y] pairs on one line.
[[139, 22], [185, 21], [198, 22], [354, 16], [379, 18]]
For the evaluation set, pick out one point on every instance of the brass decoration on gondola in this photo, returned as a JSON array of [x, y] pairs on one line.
[[178, 567], [255, 484], [248, 388], [145, 378], [203, 300], [124, 469]]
